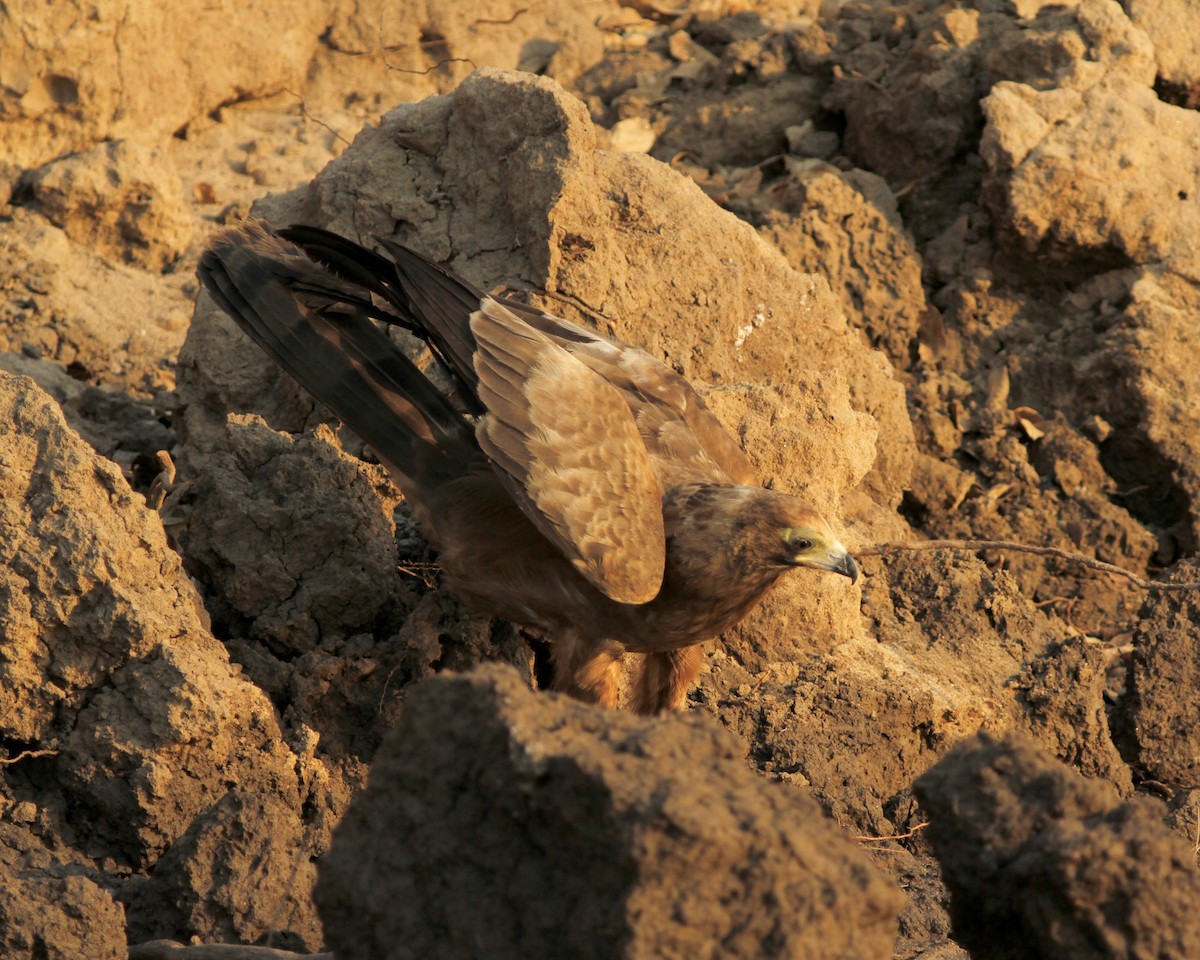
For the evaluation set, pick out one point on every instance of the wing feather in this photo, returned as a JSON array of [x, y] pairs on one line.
[[684, 439], [566, 444]]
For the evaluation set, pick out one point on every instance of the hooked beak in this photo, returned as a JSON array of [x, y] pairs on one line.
[[836, 560], [841, 562]]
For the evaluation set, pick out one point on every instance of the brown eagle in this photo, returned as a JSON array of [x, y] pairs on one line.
[[569, 482]]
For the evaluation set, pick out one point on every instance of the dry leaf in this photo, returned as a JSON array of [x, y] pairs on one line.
[[1032, 430], [748, 184], [993, 495], [632, 135], [1031, 422]]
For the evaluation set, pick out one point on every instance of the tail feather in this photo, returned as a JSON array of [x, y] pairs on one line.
[[320, 331], [428, 302], [345, 260], [444, 302]]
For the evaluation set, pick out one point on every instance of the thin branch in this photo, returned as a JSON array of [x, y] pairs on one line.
[[512, 19], [27, 754], [172, 950], [880, 549], [440, 63], [895, 836], [424, 571], [315, 119], [573, 301]]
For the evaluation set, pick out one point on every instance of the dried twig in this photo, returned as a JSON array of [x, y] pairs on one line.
[[519, 12], [432, 42], [898, 546], [895, 836], [591, 312], [424, 571], [27, 754], [313, 117], [172, 950], [428, 70]]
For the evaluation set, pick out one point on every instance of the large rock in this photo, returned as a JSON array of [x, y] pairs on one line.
[[1083, 162], [1042, 863], [845, 227], [1126, 163], [168, 735], [243, 872], [296, 536], [119, 199], [49, 907], [87, 580], [1165, 685], [856, 724], [78, 73], [500, 822], [533, 201], [1078, 46], [134, 724], [1176, 51]]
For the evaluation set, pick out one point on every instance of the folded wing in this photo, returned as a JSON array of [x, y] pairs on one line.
[[571, 455]]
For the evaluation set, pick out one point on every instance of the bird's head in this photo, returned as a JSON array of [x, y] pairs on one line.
[[808, 544], [796, 535], [724, 530]]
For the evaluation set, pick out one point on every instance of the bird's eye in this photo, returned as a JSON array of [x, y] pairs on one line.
[[800, 544]]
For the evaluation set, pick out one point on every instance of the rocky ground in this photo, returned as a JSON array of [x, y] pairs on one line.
[[936, 266]]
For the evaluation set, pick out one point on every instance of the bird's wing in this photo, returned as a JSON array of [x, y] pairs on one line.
[[566, 445], [685, 441]]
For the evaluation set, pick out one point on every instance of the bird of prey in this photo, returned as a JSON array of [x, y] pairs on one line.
[[569, 482]]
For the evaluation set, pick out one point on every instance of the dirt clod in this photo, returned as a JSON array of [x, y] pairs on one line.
[[1043, 863], [486, 798]]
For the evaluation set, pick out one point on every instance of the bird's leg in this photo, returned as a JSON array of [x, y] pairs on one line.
[[587, 671], [665, 677]]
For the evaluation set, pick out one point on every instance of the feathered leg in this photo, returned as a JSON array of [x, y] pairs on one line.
[[586, 671], [665, 677]]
